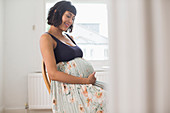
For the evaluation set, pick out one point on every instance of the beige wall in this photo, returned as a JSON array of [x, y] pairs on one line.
[[1, 52], [139, 56]]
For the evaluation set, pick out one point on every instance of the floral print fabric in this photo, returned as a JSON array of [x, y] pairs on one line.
[[77, 98]]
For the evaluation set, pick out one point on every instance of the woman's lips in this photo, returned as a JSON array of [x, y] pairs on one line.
[[67, 25]]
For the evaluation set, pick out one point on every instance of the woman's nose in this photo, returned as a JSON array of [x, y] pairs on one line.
[[71, 21]]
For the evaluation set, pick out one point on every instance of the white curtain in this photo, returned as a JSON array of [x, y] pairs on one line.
[[139, 42]]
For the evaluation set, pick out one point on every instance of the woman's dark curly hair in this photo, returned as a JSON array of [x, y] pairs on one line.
[[56, 12]]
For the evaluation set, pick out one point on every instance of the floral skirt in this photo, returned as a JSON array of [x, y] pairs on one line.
[[77, 98]]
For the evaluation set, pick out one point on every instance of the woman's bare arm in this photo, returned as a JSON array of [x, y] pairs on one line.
[[46, 47]]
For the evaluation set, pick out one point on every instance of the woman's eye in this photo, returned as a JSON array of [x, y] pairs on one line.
[[68, 16]]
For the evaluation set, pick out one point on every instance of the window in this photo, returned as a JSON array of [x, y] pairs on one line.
[[94, 27], [90, 29]]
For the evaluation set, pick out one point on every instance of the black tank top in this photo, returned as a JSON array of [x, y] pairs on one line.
[[64, 52]]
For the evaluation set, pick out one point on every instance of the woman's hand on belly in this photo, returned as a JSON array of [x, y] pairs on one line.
[[92, 78]]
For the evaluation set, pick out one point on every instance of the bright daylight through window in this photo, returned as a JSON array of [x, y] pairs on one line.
[[90, 29]]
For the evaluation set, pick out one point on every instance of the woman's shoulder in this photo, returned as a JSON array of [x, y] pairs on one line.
[[46, 38]]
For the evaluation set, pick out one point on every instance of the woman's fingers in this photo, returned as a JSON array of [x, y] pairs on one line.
[[92, 78]]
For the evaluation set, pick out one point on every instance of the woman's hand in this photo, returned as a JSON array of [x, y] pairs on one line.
[[92, 78]]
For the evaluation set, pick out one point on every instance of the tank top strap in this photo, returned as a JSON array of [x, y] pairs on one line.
[[71, 39], [59, 40], [53, 37]]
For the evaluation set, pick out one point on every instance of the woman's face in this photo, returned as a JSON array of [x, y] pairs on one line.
[[67, 20]]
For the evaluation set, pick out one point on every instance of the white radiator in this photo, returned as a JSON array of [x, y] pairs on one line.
[[38, 96]]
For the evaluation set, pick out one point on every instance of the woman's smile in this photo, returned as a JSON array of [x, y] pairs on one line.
[[67, 25]]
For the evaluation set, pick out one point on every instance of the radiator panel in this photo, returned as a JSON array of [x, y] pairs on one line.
[[38, 96]]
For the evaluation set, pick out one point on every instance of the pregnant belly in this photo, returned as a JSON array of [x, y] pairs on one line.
[[76, 67]]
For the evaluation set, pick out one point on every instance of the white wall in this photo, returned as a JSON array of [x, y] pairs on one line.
[[1, 52], [21, 48]]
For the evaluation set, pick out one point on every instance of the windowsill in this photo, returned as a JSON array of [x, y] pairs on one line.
[[100, 70]]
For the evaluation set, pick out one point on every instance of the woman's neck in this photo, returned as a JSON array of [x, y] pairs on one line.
[[55, 31]]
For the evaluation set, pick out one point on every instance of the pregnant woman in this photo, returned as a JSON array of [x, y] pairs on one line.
[[72, 88]]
